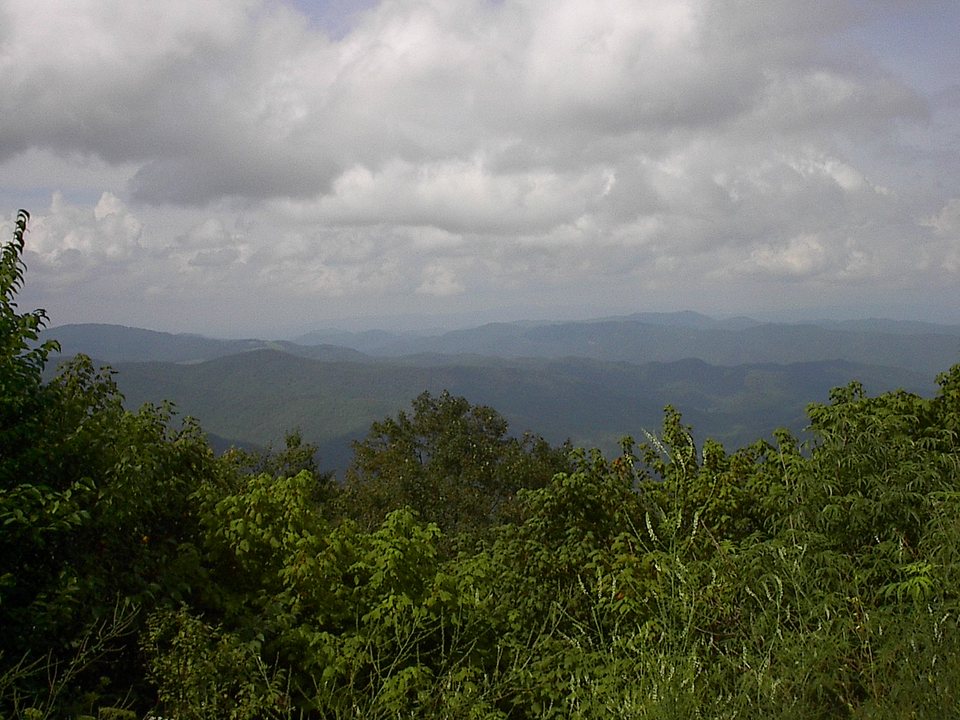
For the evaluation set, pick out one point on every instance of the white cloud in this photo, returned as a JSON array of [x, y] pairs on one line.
[[74, 241], [800, 256], [472, 151], [946, 223], [944, 254], [456, 196], [440, 281]]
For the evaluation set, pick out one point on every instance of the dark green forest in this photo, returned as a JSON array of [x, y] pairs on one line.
[[459, 571]]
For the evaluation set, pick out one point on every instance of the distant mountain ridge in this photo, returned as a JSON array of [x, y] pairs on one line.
[[636, 341], [591, 381], [121, 344], [637, 338]]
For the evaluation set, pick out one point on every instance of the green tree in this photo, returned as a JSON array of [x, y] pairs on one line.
[[97, 512], [453, 463], [22, 360]]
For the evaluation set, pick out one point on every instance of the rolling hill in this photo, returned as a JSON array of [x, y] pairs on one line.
[[257, 396], [590, 382]]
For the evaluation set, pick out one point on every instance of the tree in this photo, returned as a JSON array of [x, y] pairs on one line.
[[98, 515], [453, 463], [22, 361]]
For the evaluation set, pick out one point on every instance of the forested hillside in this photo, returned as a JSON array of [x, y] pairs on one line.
[[460, 571], [255, 397], [252, 392]]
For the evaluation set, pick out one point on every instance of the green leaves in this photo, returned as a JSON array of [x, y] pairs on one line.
[[203, 672], [21, 360], [96, 509], [450, 462]]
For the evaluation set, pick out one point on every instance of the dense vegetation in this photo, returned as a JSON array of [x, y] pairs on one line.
[[460, 572]]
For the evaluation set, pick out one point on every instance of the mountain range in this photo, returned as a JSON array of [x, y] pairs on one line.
[[592, 382]]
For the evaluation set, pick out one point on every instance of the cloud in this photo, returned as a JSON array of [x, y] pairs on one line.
[[471, 150], [241, 99], [440, 281], [945, 253], [799, 257], [946, 223], [456, 196], [70, 243]]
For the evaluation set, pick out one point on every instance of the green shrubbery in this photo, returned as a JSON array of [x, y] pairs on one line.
[[460, 573]]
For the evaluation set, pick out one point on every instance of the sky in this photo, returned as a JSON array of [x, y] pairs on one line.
[[268, 167]]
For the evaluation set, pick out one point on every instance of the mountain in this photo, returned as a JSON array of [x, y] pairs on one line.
[[898, 327], [257, 396], [640, 341], [368, 341], [687, 318], [119, 344], [592, 381], [638, 338]]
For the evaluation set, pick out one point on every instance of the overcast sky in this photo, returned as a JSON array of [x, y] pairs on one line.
[[263, 167]]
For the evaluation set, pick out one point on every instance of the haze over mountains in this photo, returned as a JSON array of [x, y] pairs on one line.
[[592, 381]]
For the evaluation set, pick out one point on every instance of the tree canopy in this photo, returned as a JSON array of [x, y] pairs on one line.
[[451, 462]]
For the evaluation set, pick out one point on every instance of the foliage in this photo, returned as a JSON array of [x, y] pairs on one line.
[[295, 457], [451, 462], [97, 513], [669, 582], [203, 672]]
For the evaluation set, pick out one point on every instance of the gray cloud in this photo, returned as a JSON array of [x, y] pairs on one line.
[[475, 152]]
